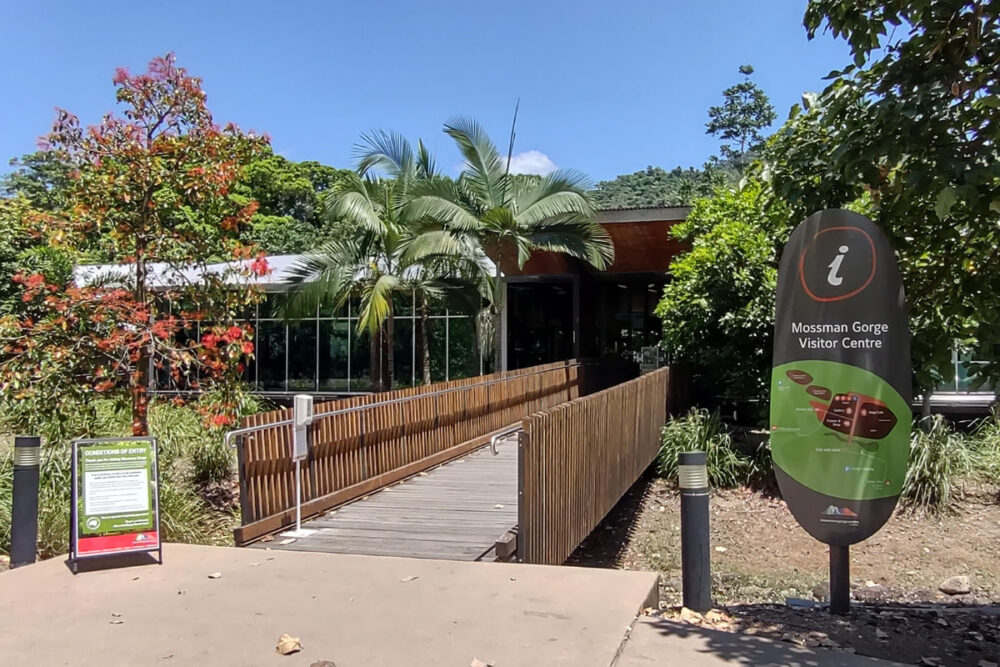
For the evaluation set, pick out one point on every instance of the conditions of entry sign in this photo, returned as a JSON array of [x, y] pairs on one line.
[[115, 501], [841, 380]]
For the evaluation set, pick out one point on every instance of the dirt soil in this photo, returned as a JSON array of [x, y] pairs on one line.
[[770, 578]]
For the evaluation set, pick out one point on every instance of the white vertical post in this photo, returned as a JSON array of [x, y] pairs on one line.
[[302, 417]]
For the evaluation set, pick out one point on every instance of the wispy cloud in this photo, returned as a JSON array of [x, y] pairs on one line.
[[532, 162]]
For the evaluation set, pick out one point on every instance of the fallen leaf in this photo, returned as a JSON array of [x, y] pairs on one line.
[[215, 575], [476, 662], [881, 634], [267, 538], [288, 645], [287, 540], [690, 616], [135, 578], [409, 578]]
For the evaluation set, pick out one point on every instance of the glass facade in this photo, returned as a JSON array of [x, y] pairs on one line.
[[965, 380], [327, 354]]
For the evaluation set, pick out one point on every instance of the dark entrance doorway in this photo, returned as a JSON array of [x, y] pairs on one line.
[[539, 322]]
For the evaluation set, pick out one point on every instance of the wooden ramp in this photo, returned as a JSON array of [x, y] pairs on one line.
[[455, 512]]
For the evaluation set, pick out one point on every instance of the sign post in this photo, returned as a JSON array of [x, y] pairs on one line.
[[840, 384], [302, 417], [115, 505]]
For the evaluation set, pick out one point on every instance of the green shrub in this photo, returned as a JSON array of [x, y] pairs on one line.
[[984, 446], [700, 430], [183, 443], [938, 457]]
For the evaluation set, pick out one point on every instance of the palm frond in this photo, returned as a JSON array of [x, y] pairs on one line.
[[560, 192], [434, 244], [321, 277], [376, 299], [426, 165], [484, 167], [441, 200], [352, 200], [388, 151], [588, 241]]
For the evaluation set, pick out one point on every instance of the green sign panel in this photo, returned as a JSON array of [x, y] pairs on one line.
[[841, 380], [115, 500]]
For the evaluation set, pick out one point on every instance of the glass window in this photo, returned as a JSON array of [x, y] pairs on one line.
[[271, 346], [302, 355], [266, 309], [463, 355], [402, 303], [402, 349], [333, 352], [361, 359], [436, 343]]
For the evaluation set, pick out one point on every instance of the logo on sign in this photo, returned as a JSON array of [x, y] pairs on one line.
[[837, 263]]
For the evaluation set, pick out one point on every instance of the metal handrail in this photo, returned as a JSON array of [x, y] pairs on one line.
[[503, 434], [342, 411]]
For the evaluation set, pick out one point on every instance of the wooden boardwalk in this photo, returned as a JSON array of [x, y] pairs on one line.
[[454, 512]]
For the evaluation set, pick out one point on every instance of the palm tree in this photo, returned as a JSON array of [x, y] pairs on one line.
[[506, 217], [388, 254]]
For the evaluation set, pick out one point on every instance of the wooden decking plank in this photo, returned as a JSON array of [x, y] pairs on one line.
[[456, 511]]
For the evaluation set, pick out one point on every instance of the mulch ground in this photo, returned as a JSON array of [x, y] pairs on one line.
[[770, 577]]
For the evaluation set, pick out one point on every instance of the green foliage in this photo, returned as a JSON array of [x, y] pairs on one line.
[[151, 186], [718, 308], [654, 186], [41, 178], [739, 121], [912, 124], [938, 457], [490, 212], [700, 430], [184, 462], [985, 450], [289, 217]]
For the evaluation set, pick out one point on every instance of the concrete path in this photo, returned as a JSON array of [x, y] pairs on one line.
[[356, 611], [454, 512]]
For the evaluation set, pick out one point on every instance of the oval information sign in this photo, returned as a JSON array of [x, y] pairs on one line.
[[841, 380]]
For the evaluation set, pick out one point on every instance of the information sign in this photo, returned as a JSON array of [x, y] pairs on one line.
[[115, 507]]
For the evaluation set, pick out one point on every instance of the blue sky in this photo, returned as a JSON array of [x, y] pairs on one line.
[[605, 87]]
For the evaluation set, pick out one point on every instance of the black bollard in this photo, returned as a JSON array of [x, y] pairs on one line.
[[24, 517], [840, 579], [696, 567]]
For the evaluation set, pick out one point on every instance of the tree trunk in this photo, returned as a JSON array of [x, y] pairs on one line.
[[425, 350], [496, 309], [139, 382], [375, 353], [389, 346]]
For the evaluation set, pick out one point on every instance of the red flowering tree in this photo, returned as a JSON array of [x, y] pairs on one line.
[[149, 194]]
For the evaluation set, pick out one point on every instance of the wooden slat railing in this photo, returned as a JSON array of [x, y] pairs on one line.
[[376, 440], [578, 459]]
